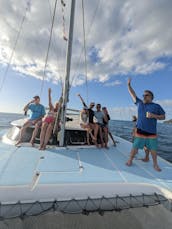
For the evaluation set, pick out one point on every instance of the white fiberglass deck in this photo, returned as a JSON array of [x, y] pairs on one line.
[[29, 169]]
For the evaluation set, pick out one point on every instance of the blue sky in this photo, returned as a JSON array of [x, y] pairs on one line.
[[129, 46]]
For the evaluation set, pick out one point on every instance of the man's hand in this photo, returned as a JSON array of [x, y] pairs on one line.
[[32, 101], [79, 95], [150, 115], [158, 117]]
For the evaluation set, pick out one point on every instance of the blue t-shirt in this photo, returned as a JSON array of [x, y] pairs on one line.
[[147, 124], [37, 110]]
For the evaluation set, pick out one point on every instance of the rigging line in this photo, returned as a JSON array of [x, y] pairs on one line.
[[49, 43], [54, 44], [90, 27], [85, 51], [15, 45], [63, 20]]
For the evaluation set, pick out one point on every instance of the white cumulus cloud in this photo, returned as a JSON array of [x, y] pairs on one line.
[[122, 37]]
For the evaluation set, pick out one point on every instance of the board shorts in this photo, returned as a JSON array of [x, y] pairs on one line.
[[102, 125], [149, 141]]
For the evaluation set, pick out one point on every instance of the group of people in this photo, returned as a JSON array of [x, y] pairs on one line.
[[95, 122], [40, 120]]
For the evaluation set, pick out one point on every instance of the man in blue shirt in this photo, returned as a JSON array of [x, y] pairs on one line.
[[37, 113], [148, 114]]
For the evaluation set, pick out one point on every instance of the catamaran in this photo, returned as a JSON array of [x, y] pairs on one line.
[[73, 177]]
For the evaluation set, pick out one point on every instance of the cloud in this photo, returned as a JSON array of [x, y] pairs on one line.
[[165, 103], [114, 83], [122, 37]]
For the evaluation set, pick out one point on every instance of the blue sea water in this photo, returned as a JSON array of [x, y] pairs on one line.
[[120, 128]]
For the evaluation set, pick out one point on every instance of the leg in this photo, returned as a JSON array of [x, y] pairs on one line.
[[146, 159], [132, 154], [47, 135], [92, 136], [112, 138], [101, 136], [88, 136], [35, 132], [22, 131], [155, 163], [106, 136], [94, 127], [88, 129], [42, 134]]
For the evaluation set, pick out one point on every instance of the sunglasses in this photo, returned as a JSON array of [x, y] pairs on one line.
[[145, 95]]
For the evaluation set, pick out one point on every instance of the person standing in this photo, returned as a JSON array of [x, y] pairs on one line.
[[134, 131], [100, 118], [104, 109], [146, 132]]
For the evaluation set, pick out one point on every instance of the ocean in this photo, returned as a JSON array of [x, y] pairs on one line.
[[120, 128]]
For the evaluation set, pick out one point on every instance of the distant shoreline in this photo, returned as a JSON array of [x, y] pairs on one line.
[[168, 121]]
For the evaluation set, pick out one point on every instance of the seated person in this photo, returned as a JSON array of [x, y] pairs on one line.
[[85, 124], [104, 109], [38, 112], [100, 116], [92, 125]]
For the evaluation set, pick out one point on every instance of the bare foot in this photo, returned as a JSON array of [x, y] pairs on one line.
[[129, 163], [44, 147], [94, 139], [102, 145], [95, 142], [145, 159], [32, 143], [40, 148], [157, 168], [18, 143]]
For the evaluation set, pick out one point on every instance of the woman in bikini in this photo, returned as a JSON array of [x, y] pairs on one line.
[[48, 122]]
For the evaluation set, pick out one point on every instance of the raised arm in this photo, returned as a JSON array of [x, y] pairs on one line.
[[84, 104], [131, 90], [27, 106], [49, 99]]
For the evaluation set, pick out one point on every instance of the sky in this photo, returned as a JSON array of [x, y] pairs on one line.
[[124, 38]]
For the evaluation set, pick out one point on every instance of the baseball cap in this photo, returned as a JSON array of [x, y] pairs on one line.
[[36, 97]]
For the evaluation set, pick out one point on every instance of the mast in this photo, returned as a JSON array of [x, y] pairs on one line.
[[67, 74]]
